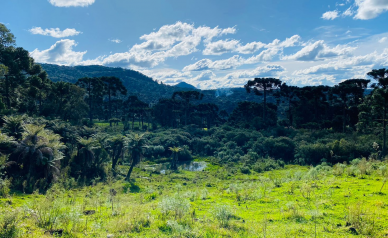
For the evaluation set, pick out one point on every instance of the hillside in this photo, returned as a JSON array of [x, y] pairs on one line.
[[146, 88]]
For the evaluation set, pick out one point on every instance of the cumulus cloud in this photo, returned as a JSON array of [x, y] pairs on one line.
[[55, 32], [250, 48], [206, 64], [330, 15], [369, 9], [348, 64], [220, 47], [271, 50], [318, 51], [263, 71], [60, 53], [170, 41], [71, 3], [205, 76]]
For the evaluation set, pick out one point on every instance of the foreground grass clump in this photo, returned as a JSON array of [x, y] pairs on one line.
[[339, 201]]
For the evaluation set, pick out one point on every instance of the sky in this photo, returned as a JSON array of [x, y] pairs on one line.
[[208, 43]]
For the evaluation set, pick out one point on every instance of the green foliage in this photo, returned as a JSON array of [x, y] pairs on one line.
[[222, 213], [175, 205], [9, 224]]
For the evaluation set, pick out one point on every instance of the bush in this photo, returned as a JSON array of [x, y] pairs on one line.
[[222, 213], [245, 170], [312, 153], [4, 187], [176, 205], [267, 165], [8, 224], [280, 148], [131, 188]]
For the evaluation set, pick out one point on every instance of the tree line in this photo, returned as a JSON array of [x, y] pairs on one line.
[[48, 125]]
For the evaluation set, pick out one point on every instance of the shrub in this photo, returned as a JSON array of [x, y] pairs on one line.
[[176, 205], [131, 188], [267, 165], [8, 224], [222, 213], [245, 170], [313, 153], [280, 148], [4, 187]]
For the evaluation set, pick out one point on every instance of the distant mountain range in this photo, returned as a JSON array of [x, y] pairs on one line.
[[147, 89]]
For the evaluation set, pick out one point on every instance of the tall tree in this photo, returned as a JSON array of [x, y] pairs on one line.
[[381, 92], [94, 88], [187, 96], [261, 86], [290, 94], [175, 153], [113, 87], [17, 69], [349, 93]]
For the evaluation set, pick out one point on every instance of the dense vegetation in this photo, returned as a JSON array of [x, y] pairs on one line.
[[80, 145]]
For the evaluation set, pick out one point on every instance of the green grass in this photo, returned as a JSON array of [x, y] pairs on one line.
[[293, 202]]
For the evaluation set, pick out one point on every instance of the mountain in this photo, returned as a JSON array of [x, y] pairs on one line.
[[184, 85], [147, 89]]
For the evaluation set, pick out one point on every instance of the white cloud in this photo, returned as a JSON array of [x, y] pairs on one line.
[[330, 15], [384, 39], [318, 51], [206, 64], [348, 64], [266, 71], [271, 50], [220, 47], [60, 53], [55, 32], [205, 76], [250, 48], [117, 41], [170, 41], [71, 3], [369, 9], [349, 12]]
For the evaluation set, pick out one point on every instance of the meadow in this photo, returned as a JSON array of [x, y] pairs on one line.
[[295, 201]]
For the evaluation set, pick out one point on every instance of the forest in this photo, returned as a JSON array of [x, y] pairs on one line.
[[90, 151]]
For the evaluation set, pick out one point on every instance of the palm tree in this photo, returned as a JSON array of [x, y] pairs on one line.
[[136, 144], [117, 144], [86, 153], [39, 151], [7, 143], [175, 152], [14, 125]]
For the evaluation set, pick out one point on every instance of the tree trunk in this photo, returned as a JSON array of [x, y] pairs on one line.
[[384, 131], [116, 158], [130, 171], [90, 106], [289, 111], [110, 107], [8, 101], [174, 161], [265, 104], [344, 119]]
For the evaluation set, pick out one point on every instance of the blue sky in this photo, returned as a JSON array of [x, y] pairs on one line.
[[209, 44]]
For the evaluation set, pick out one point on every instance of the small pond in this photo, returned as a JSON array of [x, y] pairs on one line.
[[185, 165]]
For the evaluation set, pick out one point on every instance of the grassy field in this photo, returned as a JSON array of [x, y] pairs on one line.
[[339, 201]]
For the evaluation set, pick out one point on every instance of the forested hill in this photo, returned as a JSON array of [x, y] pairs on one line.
[[147, 89]]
